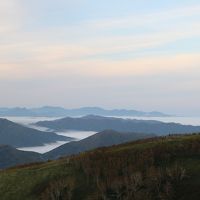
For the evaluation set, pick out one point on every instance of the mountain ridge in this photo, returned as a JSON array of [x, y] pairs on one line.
[[17, 135], [10, 157], [53, 111], [101, 123], [102, 139]]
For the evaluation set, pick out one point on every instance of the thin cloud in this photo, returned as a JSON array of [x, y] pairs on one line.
[[145, 66], [146, 19], [119, 53], [11, 16]]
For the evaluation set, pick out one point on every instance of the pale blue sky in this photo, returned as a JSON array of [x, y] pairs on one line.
[[116, 54]]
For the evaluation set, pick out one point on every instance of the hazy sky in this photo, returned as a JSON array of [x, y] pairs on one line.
[[137, 54]]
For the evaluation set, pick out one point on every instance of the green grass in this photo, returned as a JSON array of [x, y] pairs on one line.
[[18, 184], [29, 182]]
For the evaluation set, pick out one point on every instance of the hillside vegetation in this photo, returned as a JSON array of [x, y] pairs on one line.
[[155, 169]]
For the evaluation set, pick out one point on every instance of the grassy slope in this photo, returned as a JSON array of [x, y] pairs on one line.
[[29, 182]]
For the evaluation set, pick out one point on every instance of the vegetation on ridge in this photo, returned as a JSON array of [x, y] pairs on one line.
[[159, 169]]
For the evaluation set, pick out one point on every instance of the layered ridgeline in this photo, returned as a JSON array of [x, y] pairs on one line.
[[49, 111], [10, 157], [99, 123], [162, 168], [19, 136], [102, 139]]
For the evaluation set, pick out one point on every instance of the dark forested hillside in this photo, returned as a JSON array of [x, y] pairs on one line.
[[10, 157], [102, 139], [19, 136], [98, 123], [166, 168]]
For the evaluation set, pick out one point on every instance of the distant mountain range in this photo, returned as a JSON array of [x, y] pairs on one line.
[[102, 139], [124, 130], [48, 111], [10, 157], [99, 123], [19, 136]]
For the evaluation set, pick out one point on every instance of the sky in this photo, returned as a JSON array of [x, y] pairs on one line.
[[134, 54]]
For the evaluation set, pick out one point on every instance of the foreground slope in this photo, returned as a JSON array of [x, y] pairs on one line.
[[99, 123], [10, 156], [19, 136], [153, 169], [102, 139]]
